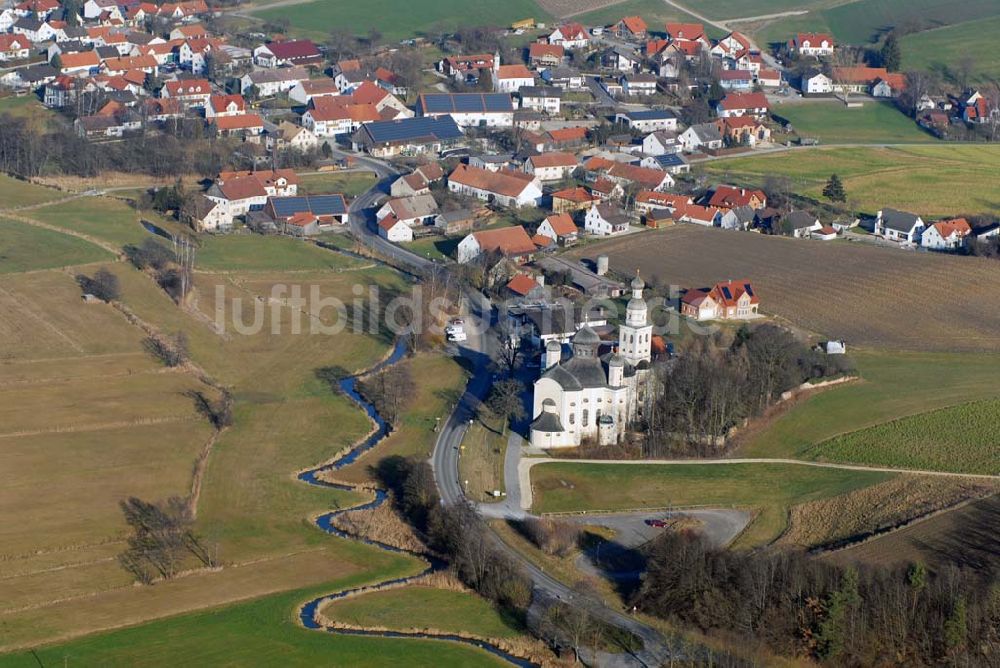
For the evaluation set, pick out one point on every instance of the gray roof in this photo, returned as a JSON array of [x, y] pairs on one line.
[[457, 215], [547, 422], [745, 214], [668, 160], [612, 214], [798, 220], [707, 132], [539, 91], [421, 129], [649, 115], [566, 380], [586, 371], [901, 221]]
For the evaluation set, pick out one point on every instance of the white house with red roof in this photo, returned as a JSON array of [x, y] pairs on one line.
[[225, 105], [687, 32], [743, 104], [732, 300], [14, 47], [394, 230], [560, 228], [630, 27], [551, 166], [570, 36], [290, 52], [511, 78], [505, 187], [189, 92], [946, 234], [812, 44]]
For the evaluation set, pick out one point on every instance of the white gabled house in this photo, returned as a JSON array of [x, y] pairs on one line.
[[947, 235], [505, 187], [900, 226], [605, 220]]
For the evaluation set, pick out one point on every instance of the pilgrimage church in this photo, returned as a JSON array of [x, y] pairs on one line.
[[591, 397]]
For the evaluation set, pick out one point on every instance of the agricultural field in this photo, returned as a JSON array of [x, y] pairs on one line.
[[932, 181], [654, 12], [258, 633], [888, 504], [253, 252], [941, 50], [396, 19], [16, 193], [770, 488], [894, 385], [421, 607], [965, 536], [864, 20], [27, 248], [851, 291], [833, 123], [962, 438], [110, 220], [349, 184]]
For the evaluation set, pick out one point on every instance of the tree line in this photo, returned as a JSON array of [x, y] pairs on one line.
[[801, 607], [715, 384]]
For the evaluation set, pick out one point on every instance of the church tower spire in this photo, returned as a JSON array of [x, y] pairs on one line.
[[635, 336]]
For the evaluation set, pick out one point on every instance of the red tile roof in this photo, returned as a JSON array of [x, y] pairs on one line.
[[685, 31], [731, 197], [507, 240], [540, 50], [241, 122], [562, 224], [504, 182], [578, 195], [522, 284], [554, 160], [744, 101], [517, 71], [635, 24], [568, 134], [220, 102]]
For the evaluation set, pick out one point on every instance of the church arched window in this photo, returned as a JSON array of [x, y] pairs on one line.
[[572, 418], [586, 416]]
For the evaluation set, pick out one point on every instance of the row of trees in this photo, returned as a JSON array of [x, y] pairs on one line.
[[798, 606], [715, 384]]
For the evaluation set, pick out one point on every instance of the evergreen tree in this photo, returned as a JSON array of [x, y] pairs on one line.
[[890, 55], [834, 190]]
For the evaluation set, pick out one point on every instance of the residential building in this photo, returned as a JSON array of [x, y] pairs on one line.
[[800, 224], [271, 82], [732, 300], [604, 220], [630, 27], [510, 242], [816, 83], [653, 120], [551, 166], [701, 137], [415, 211], [560, 228], [811, 44], [545, 55], [546, 99], [743, 104], [900, 226], [570, 36], [505, 187], [408, 136], [394, 230], [469, 109], [571, 200], [947, 234], [248, 126], [287, 53]]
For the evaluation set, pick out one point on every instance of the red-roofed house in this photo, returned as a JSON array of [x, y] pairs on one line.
[[743, 104], [732, 300], [394, 230], [630, 27], [946, 234], [246, 125], [511, 242], [551, 166], [526, 287], [570, 36], [687, 32], [83, 62], [505, 187], [731, 197], [892, 84], [571, 199], [812, 44], [511, 78], [545, 55], [14, 47], [190, 92], [560, 228], [225, 105]]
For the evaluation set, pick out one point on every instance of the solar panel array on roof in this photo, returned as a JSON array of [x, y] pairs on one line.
[[318, 205], [651, 115], [726, 292], [466, 103], [441, 128], [748, 288]]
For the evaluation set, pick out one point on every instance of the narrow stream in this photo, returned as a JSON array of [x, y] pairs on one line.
[[307, 614]]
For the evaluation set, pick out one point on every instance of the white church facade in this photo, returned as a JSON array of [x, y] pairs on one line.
[[589, 397]]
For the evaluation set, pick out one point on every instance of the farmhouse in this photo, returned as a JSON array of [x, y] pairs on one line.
[[510, 242], [551, 166], [800, 224], [590, 397], [466, 69], [630, 27], [605, 220], [560, 228], [732, 300], [291, 52], [413, 211], [899, 226], [571, 200], [546, 55], [326, 209], [946, 234], [505, 187], [240, 192], [495, 110], [394, 230], [730, 197], [271, 82]]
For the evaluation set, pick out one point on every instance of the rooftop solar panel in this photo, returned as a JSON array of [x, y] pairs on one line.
[[422, 128], [748, 288], [726, 292]]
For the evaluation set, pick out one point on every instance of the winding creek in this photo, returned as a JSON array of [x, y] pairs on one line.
[[308, 612]]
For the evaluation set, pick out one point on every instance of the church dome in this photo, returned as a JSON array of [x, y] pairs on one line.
[[553, 346], [586, 336], [638, 283], [616, 360]]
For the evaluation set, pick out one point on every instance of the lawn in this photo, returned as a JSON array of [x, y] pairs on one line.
[[256, 633], [15, 193], [771, 488], [480, 464], [272, 253], [398, 20], [959, 438], [862, 21], [350, 184], [420, 607], [27, 248], [436, 247], [928, 180], [896, 385], [833, 123], [941, 50], [111, 220]]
